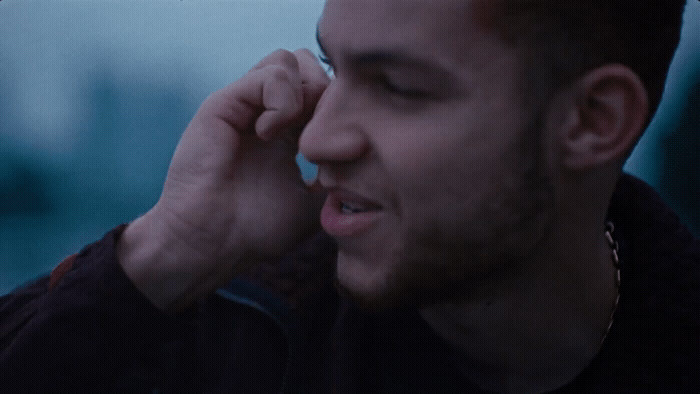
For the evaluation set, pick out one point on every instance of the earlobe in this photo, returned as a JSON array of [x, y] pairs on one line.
[[606, 113]]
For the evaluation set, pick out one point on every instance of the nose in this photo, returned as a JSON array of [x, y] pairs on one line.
[[335, 132]]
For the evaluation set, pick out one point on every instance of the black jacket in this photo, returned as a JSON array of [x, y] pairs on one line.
[[87, 328]]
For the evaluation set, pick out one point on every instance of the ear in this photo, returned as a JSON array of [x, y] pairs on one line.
[[605, 115]]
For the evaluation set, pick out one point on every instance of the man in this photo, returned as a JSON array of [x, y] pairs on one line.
[[470, 157]]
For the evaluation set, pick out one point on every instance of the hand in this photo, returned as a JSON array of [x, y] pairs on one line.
[[233, 193]]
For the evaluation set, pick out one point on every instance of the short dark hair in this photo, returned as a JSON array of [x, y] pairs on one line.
[[563, 39]]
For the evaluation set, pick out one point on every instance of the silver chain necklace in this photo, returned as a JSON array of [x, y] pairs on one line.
[[615, 257]]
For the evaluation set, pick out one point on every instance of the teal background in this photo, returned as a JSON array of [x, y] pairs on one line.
[[95, 94]]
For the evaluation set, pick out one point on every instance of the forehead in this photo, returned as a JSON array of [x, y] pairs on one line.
[[447, 30]]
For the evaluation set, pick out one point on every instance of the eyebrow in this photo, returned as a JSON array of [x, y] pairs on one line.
[[386, 57]]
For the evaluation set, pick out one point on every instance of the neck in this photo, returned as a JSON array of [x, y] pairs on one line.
[[536, 330]]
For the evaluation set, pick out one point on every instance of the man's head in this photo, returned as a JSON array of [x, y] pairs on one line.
[[451, 148], [563, 39]]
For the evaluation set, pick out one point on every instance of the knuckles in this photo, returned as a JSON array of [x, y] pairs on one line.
[[290, 84], [282, 74], [280, 57]]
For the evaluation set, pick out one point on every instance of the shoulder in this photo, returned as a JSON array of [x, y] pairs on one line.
[[658, 251], [656, 336]]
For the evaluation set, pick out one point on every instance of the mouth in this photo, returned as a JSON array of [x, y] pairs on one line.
[[351, 203], [348, 214], [348, 208]]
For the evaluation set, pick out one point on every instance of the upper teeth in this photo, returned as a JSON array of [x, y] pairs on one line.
[[349, 208]]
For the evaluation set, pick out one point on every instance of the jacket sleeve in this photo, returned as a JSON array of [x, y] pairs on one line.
[[86, 327]]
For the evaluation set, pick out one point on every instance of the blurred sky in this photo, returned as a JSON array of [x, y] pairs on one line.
[[49, 45], [95, 94]]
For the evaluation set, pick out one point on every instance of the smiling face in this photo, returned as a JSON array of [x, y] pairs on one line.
[[430, 156]]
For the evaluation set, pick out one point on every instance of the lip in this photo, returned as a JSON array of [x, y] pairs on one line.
[[339, 224]]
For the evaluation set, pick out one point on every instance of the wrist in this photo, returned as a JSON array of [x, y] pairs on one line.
[[160, 266]]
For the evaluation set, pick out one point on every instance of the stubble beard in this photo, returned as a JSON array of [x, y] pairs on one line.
[[433, 267]]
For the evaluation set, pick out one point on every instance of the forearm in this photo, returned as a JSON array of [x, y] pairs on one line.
[[87, 332]]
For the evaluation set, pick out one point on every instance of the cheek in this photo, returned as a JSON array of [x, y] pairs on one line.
[[474, 190], [445, 169]]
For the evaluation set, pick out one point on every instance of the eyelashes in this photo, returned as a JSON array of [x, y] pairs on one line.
[[396, 89], [381, 80], [325, 60]]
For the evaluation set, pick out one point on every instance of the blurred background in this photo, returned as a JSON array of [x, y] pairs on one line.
[[94, 96]]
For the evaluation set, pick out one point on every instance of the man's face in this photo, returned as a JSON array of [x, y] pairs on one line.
[[429, 154]]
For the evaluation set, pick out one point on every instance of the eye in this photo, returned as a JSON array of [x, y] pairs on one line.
[[397, 89]]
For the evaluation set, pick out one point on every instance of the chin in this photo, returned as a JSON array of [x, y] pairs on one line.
[[427, 270], [380, 285], [371, 285]]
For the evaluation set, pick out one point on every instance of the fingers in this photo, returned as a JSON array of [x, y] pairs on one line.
[[278, 93], [282, 100], [314, 80], [264, 100], [311, 71], [302, 61]]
